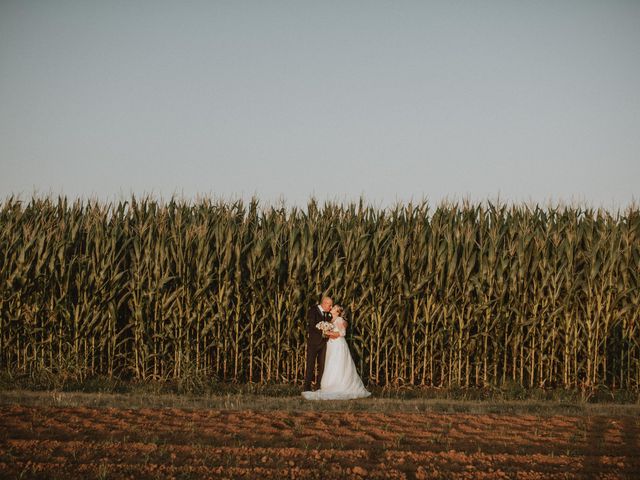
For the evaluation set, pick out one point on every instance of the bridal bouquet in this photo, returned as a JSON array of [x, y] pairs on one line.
[[324, 327]]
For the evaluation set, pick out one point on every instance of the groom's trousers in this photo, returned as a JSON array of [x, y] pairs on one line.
[[315, 352]]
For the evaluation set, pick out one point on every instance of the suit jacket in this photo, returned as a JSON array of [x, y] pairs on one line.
[[314, 315]]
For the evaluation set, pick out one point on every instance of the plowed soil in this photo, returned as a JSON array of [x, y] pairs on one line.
[[84, 442]]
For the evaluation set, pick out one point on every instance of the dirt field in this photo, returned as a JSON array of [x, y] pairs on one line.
[[88, 442]]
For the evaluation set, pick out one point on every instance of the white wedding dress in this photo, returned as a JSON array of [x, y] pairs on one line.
[[340, 380]]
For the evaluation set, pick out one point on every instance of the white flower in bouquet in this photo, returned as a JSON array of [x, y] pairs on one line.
[[324, 326]]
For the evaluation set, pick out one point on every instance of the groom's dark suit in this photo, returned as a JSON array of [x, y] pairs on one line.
[[316, 345]]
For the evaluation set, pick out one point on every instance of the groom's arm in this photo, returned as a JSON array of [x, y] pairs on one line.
[[310, 320]]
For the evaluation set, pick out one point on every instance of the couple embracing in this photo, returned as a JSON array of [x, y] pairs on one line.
[[337, 374]]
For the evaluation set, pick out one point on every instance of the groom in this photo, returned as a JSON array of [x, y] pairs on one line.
[[316, 342]]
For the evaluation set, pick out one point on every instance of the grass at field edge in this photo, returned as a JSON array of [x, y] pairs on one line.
[[244, 401]]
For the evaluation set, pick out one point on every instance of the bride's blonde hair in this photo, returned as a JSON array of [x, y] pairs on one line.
[[340, 309]]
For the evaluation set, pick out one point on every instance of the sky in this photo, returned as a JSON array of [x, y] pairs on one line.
[[392, 101]]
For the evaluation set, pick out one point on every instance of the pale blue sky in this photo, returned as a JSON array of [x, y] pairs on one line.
[[396, 100]]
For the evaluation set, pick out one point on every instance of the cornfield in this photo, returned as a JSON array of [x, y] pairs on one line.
[[461, 295]]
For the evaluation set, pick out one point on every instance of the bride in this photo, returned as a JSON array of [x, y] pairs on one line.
[[340, 380]]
